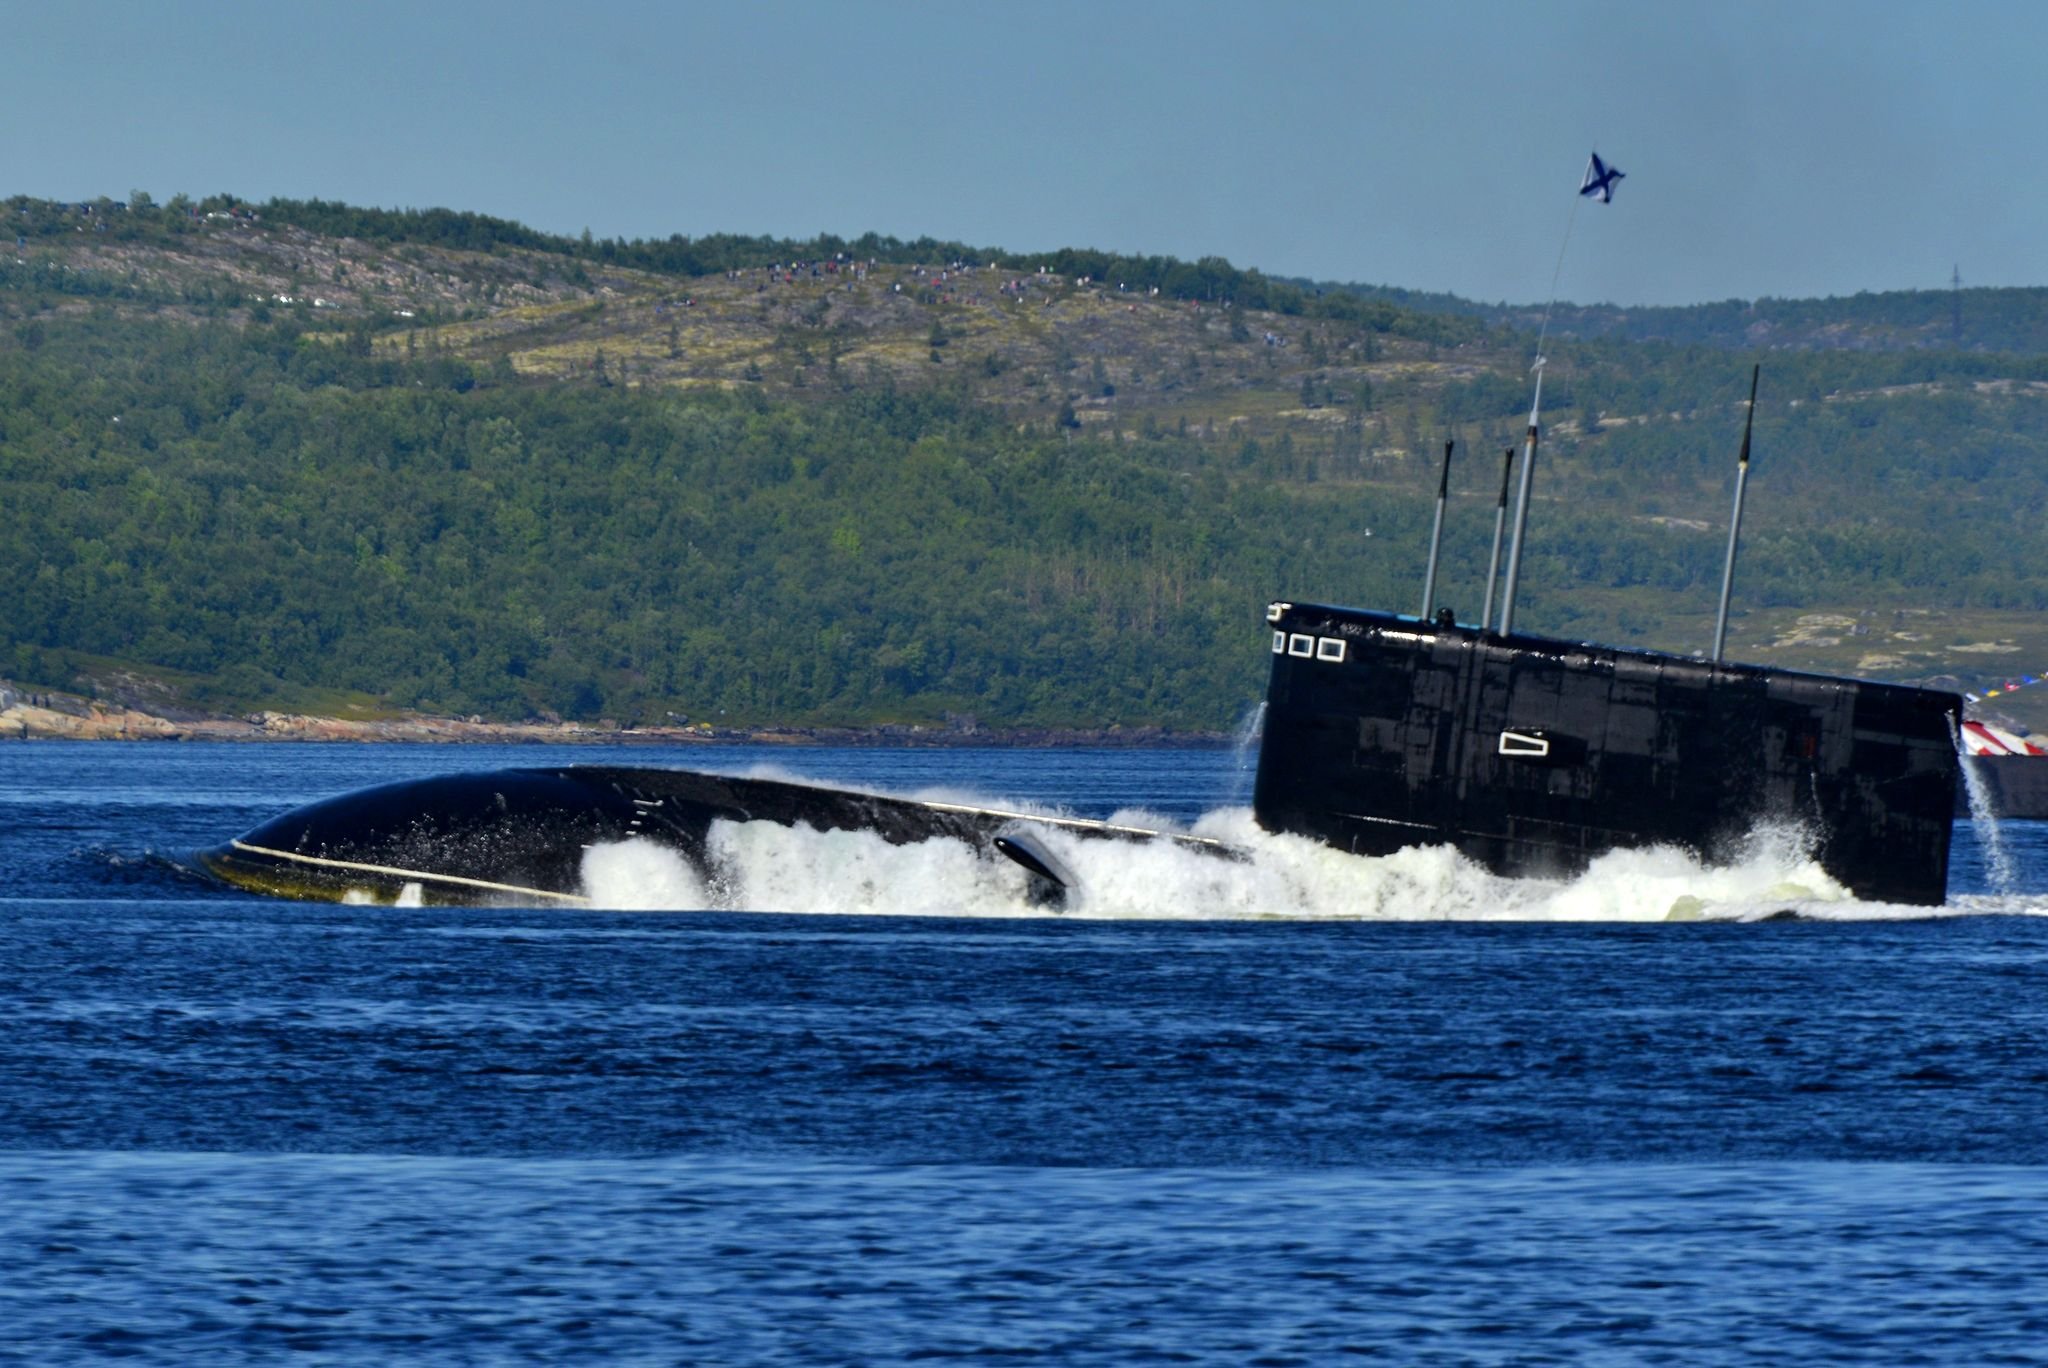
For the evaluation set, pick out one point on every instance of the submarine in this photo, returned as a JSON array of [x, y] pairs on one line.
[[1531, 755]]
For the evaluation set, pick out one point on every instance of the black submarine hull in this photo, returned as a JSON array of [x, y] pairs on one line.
[[1535, 756], [1530, 755], [521, 835]]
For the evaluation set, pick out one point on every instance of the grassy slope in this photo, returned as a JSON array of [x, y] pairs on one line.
[[1353, 406]]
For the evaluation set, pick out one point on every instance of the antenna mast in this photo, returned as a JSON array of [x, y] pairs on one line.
[[1500, 519], [1436, 535], [1735, 521]]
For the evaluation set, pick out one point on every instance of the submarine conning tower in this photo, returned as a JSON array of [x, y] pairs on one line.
[[1535, 756]]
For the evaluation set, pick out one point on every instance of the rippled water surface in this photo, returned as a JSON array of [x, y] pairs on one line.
[[1410, 1114]]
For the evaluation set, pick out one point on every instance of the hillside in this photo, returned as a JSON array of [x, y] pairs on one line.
[[441, 462], [1955, 319]]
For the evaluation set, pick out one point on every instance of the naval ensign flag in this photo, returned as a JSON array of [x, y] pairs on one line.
[[1600, 180]]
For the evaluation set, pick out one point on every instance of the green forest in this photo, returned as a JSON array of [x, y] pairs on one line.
[[264, 508], [267, 498]]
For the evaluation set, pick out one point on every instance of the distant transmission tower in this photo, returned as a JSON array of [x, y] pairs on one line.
[[1955, 300]]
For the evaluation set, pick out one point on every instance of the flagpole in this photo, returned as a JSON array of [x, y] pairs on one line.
[[1599, 182], [1507, 603]]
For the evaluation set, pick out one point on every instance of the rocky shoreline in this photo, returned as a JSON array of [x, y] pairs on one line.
[[33, 715]]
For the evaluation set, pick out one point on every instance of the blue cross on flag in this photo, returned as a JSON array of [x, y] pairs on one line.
[[1600, 180]]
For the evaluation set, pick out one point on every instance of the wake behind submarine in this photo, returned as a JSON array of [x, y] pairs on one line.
[[521, 835]]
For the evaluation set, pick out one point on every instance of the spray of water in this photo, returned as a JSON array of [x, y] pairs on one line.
[[760, 866], [1984, 819], [1244, 752]]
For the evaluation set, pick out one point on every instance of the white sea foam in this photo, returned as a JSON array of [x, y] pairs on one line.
[[640, 876], [408, 895], [760, 866]]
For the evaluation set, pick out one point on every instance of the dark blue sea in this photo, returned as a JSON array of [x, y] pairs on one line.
[[862, 1105]]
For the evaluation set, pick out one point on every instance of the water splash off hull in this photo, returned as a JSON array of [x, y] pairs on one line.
[[763, 867]]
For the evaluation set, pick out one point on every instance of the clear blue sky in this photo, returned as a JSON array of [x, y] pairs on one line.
[[1790, 149]]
